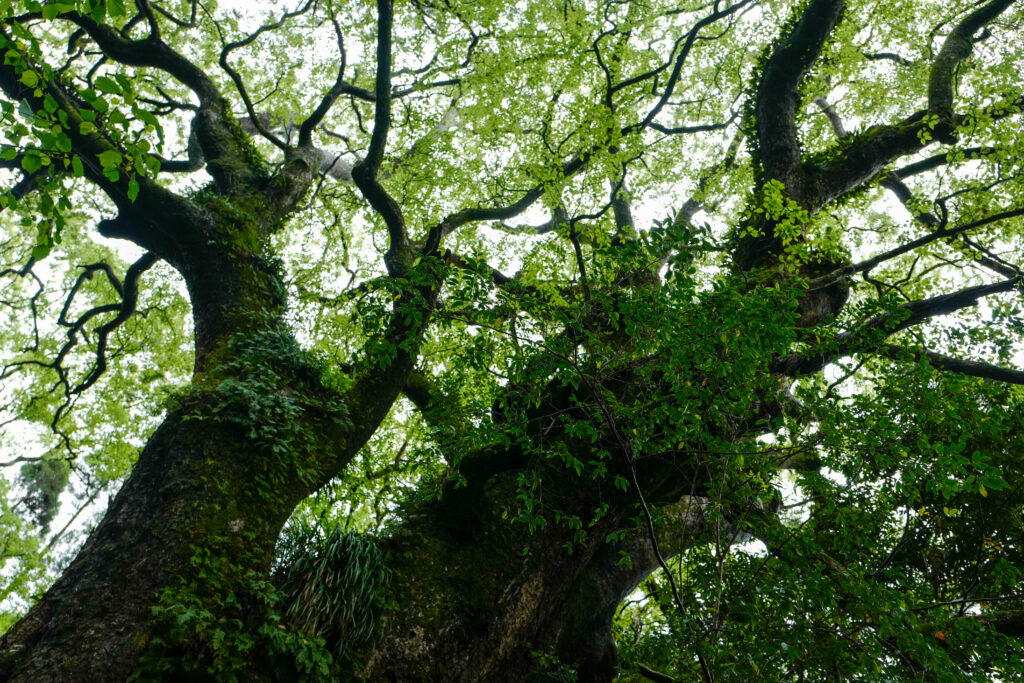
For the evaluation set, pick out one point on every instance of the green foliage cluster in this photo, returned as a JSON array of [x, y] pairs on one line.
[[917, 506], [218, 625], [335, 581], [267, 387], [44, 481]]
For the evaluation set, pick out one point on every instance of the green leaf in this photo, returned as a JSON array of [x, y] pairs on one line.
[[116, 8], [108, 85], [31, 162], [110, 159], [40, 251], [29, 78], [147, 117]]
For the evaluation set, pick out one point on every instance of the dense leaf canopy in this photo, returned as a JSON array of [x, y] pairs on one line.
[[725, 296]]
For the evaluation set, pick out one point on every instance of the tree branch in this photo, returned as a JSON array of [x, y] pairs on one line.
[[129, 299], [842, 273], [236, 78], [957, 365], [867, 336], [869, 152], [776, 99], [151, 52], [364, 173], [652, 675], [442, 413], [680, 61], [328, 100], [956, 48], [140, 219]]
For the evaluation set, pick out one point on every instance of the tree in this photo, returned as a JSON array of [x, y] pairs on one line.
[[784, 408]]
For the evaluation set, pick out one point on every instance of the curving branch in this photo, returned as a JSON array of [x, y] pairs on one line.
[[960, 366], [867, 153], [684, 45], [150, 51], [146, 10], [33, 301], [28, 183], [867, 336], [559, 217], [941, 159], [236, 78], [942, 233], [129, 292], [328, 100], [141, 209], [701, 128], [365, 172], [833, 118], [887, 56], [776, 99], [442, 413], [190, 23], [496, 213], [957, 48]]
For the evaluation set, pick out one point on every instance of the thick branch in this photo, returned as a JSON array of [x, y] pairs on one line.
[[872, 150], [141, 219], [652, 675], [382, 89], [955, 50], [441, 412], [777, 98], [970, 368], [151, 52], [365, 172], [866, 337]]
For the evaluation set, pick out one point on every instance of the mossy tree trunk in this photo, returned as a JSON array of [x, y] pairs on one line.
[[189, 495], [475, 596]]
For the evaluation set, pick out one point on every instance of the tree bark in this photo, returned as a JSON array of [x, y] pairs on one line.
[[189, 492], [476, 596]]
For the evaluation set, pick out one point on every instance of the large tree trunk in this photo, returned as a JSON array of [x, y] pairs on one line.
[[476, 596], [190, 492], [256, 433]]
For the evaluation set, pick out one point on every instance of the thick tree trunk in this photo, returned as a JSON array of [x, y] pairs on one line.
[[188, 491], [477, 597]]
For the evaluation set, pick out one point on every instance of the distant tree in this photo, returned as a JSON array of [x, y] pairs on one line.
[[501, 311]]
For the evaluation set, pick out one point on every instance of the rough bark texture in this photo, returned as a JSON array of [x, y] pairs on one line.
[[476, 597], [188, 490]]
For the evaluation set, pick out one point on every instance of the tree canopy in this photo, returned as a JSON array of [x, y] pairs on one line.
[[445, 340]]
